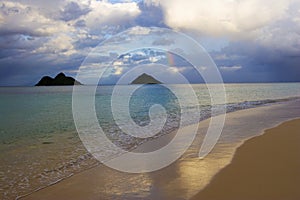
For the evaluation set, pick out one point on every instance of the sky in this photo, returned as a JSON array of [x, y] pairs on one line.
[[249, 40]]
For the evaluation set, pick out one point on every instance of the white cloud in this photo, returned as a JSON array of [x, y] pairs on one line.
[[118, 70], [173, 69], [52, 25], [222, 17], [231, 68], [105, 13], [118, 63], [60, 44], [177, 69], [139, 31], [203, 68], [284, 35], [22, 18]]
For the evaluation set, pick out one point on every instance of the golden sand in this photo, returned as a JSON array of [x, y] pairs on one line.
[[266, 167]]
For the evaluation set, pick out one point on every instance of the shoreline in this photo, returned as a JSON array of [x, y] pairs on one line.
[[255, 173], [92, 183]]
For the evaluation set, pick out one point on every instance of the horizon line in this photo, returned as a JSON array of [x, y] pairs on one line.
[[250, 82]]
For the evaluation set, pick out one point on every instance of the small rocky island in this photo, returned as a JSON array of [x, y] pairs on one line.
[[145, 79], [60, 80]]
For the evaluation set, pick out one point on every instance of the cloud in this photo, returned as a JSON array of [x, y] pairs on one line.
[[272, 55], [222, 17], [231, 68], [118, 70], [94, 17], [177, 69], [151, 15], [60, 44], [138, 30], [73, 11], [262, 63], [19, 18], [105, 13]]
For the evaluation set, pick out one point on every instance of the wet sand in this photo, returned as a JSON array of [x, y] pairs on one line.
[[266, 167], [189, 175]]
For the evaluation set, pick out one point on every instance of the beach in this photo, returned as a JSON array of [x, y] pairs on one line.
[[189, 175], [149, 100], [265, 167]]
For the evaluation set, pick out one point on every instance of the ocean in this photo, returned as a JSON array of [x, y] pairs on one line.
[[40, 146]]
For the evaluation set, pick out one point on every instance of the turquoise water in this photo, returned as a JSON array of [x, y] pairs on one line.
[[39, 143]]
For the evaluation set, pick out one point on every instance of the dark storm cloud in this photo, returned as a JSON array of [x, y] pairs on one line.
[[21, 31], [73, 11], [16, 71], [258, 63], [151, 15]]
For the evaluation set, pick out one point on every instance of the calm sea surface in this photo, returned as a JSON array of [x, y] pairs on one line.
[[39, 144]]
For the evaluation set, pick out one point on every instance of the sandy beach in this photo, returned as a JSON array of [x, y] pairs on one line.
[[264, 167]]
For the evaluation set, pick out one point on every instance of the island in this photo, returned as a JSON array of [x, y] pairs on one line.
[[145, 79], [60, 80]]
